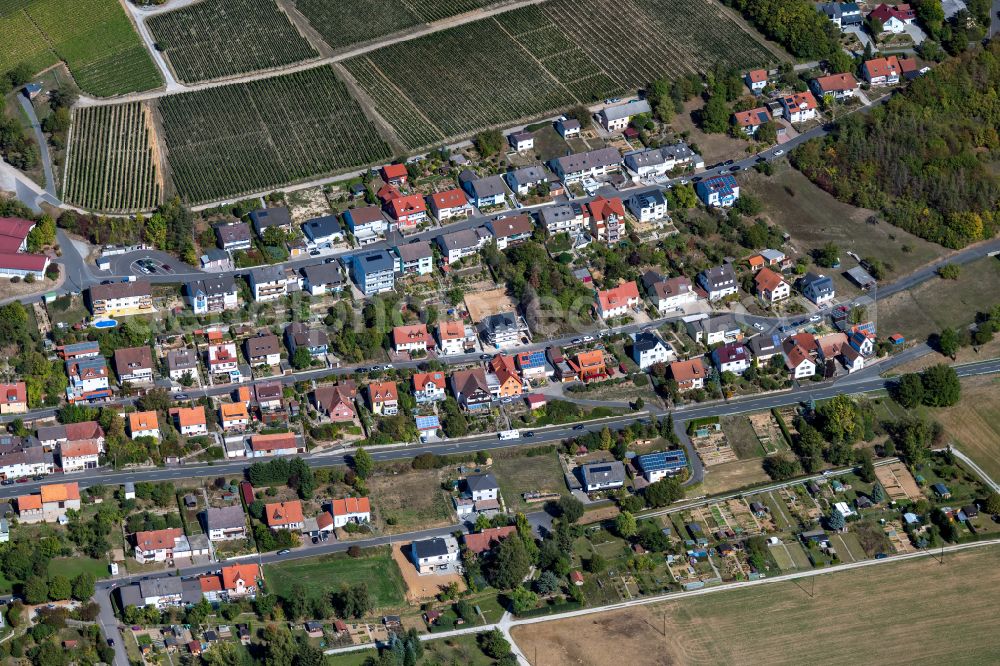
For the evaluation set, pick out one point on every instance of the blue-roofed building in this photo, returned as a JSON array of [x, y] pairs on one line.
[[374, 272], [428, 424], [941, 490], [817, 288], [660, 465], [720, 191]]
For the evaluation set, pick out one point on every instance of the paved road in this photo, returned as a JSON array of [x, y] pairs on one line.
[[43, 145]]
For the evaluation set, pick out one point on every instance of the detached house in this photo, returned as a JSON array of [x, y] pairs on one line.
[[78, 455], [881, 71], [190, 421], [616, 118], [323, 231], [13, 398], [336, 402], [415, 258], [429, 387], [320, 279], [689, 375], [589, 365], [568, 128], [212, 295], [50, 504], [484, 192], [894, 18], [268, 283], [299, 335], [719, 282], [430, 555], [457, 245], [233, 236], [471, 389], [374, 272], [356, 510], [450, 204], [278, 217], [771, 288], [238, 581], [532, 364], [511, 230], [121, 299], [568, 218], [88, 380], [134, 365], [607, 219], [750, 121], [618, 301], [367, 224], [284, 516], [504, 329], [800, 107], [801, 355], [143, 424], [722, 191], [503, 378], [395, 174], [413, 338], [817, 288], [383, 397], [648, 349], [756, 80], [522, 181], [521, 141], [648, 206], [234, 416], [274, 444], [654, 162], [669, 294], [732, 357], [407, 212], [455, 337], [839, 86], [225, 523], [222, 359], [263, 350]]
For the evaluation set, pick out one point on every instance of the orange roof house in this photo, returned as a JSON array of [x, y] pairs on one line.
[[350, 505], [688, 374], [483, 541], [29, 503], [143, 422], [395, 174], [590, 365], [617, 301], [412, 338], [189, 418], [80, 448], [506, 373], [382, 394], [273, 443], [60, 492], [770, 286], [239, 577], [284, 515], [234, 415]]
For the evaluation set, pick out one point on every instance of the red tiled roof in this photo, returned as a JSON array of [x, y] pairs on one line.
[[383, 392], [80, 447], [836, 82], [482, 541], [408, 205], [601, 208], [683, 371], [13, 393], [767, 280], [880, 67], [757, 75], [350, 505], [248, 573], [753, 117], [157, 539], [392, 171], [619, 296], [402, 335], [283, 513], [273, 442], [453, 198], [422, 379]]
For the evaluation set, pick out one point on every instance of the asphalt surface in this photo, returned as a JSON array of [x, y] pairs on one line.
[[43, 145]]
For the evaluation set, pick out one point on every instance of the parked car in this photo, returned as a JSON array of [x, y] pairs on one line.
[[759, 326], [578, 426], [779, 152], [7, 482], [284, 551], [484, 357]]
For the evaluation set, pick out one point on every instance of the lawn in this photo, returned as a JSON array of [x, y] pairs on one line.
[[741, 436], [522, 474], [939, 303], [910, 602], [328, 572], [411, 500], [74, 566], [733, 476], [455, 650], [814, 218], [974, 423]]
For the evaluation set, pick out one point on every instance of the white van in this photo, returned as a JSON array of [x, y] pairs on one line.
[[509, 434]]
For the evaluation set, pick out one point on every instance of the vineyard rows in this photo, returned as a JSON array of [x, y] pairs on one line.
[[113, 164], [95, 38], [218, 38], [540, 58], [466, 78], [342, 24], [241, 138]]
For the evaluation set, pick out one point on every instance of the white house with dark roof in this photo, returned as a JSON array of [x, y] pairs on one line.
[[817, 288], [521, 181], [616, 118], [648, 206], [718, 282], [416, 258], [568, 128], [323, 231], [484, 192], [464, 243], [319, 279], [592, 164], [648, 349], [437, 554], [563, 218]]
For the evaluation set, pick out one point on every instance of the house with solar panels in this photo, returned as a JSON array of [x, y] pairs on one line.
[[722, 191], [749, 121], [660, 465]]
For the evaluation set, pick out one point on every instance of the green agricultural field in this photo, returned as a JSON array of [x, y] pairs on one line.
[[538, 59], [245, 137], [112, 165], [343, 24], [216, 38], [523, 474], [95, 38], [329, 572]]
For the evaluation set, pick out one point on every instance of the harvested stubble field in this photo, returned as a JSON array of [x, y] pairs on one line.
[[410, 500], [245, 137], [95, 38], [218, 38], [974, 423], [523, 63], [113, 164], [343, 24], [872, 615]]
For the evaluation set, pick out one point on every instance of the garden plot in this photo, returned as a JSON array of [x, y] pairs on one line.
[[898, 483], [713, 448], [768, 433]]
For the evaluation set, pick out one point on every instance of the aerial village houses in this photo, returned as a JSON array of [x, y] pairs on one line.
[[456, 337], [233, 236], [457, 245], [732, 357], [618, 301], [395, 174], [721, 191], [265, 218], [300, 336], [471, 389], [13, 398], [374, 272], [88, 380], [238, 581], [689, 375], [838, 86], [719, 282], [234, 416], [503, 378], [406, 212], [648, 349], [429, 387], [817, 288], [215, 294], [881, 71], [607, 219], [511, 230], [504, 329], [415, 258], [771, 288], [383, 398], [413, 338], [121, 299], [450, 205], [367, 224], [525, 179], [648, 206], [190, 421], [669, 294], [284, 516], [563, 218], [355, 510], [430, 555], [49, 504], [15, 260], [484, 192], [756, 80], [576, 167], [321, 279], [323, 232], [800, 107], [616, 118], [134, 365], [182, 363], [336, 402], [750, 121], [225, 523], [894, 18], [144, 424], [263, 350], [80, 454], [274, 444]]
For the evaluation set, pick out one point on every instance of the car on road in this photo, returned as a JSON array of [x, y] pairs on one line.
[[180, 396], [361, 370], [759, 326], [284, 551], [330, 260], [388, 366], [314, 253], [696, 179], [576, 341], [588, 338], [111, 642], [815, 318], [760, 159], [38, 477], [107, 281], [530, 433], [735, 168], [578, 426], [484, 357], [166, 267], [728, 163], [779, 152], [22, 479], [7, 482]]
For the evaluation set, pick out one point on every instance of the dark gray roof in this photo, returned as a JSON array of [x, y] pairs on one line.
[[414, 251], [271, 217], [602, 157], [555, 214], [603, 473], [818, 283], [500, 321], [233, 233], [482, 482], [213, 286], [719, 275], [647, 341], [464, 238], [374, 262], [323, 274], [528, 174], [435, 547], [646, 199], [182, 359], [267, 274], [318, 227], [160, 587], [627, 110], [365, 215], [487, 187], [227, 517]]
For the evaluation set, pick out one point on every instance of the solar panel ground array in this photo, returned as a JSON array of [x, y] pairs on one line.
[[218, 38], [246, 137], [95, 38], [523, 63]]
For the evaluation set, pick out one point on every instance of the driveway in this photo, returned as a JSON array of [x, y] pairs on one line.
[[916, 34], [43, 145]]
